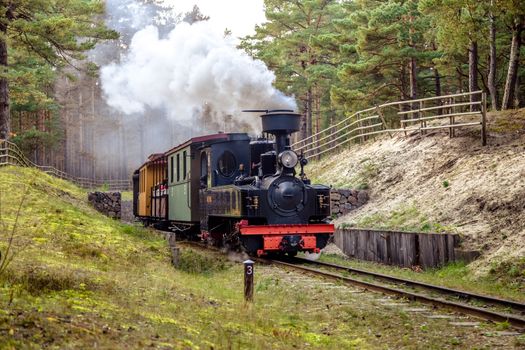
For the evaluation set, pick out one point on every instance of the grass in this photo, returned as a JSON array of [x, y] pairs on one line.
[[126, 195], [404, 218], [511, 121], [510, 272], [455, 275], [366, 170], [81, 280]]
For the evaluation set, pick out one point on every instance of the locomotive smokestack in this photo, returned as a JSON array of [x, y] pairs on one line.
[[281, 123]]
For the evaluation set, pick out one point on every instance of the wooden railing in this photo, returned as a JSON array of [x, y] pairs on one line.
[[441, 112], [10, 154]]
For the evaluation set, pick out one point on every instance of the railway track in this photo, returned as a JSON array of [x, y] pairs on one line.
[[421, 292], [516, 318]]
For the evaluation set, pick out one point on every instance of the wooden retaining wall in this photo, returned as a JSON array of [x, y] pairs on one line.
[[397, 248]]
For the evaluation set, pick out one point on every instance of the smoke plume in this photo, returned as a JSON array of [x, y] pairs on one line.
[[191, 71]]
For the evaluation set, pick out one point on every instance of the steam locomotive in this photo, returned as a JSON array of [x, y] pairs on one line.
[[235, 191]]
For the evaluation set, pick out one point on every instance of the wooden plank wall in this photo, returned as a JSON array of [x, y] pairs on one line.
[[397, 248]]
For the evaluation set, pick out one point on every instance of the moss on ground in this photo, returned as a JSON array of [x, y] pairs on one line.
[[81, 280], [404, 218]]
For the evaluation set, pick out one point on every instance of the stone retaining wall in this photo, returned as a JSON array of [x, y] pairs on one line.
[[108, 203], [343, 201]]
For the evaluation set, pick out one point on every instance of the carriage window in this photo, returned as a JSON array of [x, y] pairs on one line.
[[171, 169], [178, 167], [184, 166], [227, 164]]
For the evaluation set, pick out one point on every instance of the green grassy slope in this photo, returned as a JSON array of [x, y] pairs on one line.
[[80, 280]]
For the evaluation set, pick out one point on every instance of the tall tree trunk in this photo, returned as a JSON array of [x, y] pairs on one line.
[[4, 88], [437, 80], [459, 76], [412, 77], [412, 65], [317, 116], [412, 72], [403, 88], [473, 72], [309, 112], [514, 59], [403, 80], [492, 64]]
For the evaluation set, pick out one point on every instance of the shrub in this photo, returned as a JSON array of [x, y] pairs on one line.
[[194, 262]]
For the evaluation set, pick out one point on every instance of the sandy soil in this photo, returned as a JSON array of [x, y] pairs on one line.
[[477, 191]]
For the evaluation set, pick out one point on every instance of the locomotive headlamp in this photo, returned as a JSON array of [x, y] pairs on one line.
[[288, 159]]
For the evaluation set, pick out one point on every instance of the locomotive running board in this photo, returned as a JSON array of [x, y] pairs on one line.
[[274, 235]]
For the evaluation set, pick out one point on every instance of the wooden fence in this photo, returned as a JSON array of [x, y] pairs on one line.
[[398, 248], [10, 154], [448, 112]]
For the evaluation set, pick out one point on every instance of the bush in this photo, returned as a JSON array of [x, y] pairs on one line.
[[44, 279], [194, 262]]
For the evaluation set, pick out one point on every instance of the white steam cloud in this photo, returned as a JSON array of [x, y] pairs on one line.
[[191, 71]]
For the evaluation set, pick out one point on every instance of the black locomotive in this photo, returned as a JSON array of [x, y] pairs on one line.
[[246, 193]]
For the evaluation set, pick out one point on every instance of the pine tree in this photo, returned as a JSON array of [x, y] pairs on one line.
[[392, 55], [293, 44], [57, 31], [459, 29], [514, 17]]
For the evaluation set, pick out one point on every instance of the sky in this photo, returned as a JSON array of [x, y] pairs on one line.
[[240, 16]]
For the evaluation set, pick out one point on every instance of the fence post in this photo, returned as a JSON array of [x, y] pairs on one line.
[[451, 131], [248, 280], [422, 123], [484, 119], [3, 159], [359, 125], [403, 117], [382, 116]]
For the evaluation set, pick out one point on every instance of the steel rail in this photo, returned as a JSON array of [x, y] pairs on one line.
[[513, 320], [460, 293]]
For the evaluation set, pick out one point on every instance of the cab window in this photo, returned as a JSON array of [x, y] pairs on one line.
[[227, 164]]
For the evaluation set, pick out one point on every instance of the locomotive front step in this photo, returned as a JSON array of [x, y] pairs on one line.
[[288, 238]]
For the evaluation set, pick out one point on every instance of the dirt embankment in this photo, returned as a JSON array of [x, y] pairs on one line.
[[437, 183]]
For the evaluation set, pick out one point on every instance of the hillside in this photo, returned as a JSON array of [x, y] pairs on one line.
[[81, 280], [436, 183]]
